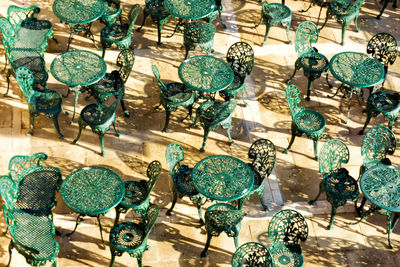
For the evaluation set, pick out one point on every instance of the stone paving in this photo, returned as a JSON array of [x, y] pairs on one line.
[[179, 239]]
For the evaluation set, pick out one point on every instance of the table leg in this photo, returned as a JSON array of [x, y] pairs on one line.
[[391, 224], [79, 219], [77, 92], [86, 28], [101, 230]]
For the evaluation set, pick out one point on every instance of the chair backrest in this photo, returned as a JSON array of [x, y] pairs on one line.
[[110, 110], [7, 30], [25, 81], [263, 154], [377, 143], [383, 46], [288, 227], [241, 57], [354, 8], [252, 254], [293, 98], [19, 165], [153, 173], [16, 14], [174, 155], [214, 112], [223, 217], [125, 61], [8, 191], [306, 35], [132, 16], [150, 219], [265, 9], [161, 84], [332, 155]]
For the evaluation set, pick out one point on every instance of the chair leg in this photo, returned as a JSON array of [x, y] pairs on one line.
[[115, 129], [242, 94], [321, 189], [101, 138], [206, 132], [266, 33], [391, 122], [145, 14], [117, 213], [290, 143], [310, 83], [344, 27], [391, 225], [159, 27], [139, 260], [8, 81], [369, 115], [198, 203], [287, 32], [174, 199], [31, 123], [10, 247], [228, 130], [236, 240], [126, 112], [297, 67], [260, 195], [81, 126], [55, 121], [383, 8], [355, 23], [167, 115], [316, 149], [112, 258], [204, 252], [187, 51], [333, 213]]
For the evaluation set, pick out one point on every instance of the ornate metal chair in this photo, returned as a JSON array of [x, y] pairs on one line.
[[336, 181], [216, 13], [132, 237], [312, 62], [113, 10], [273, 14], [114, 83], [252, 254], [199, 34], [344, 11], [158, 13], [99, 117], [305, 121], [385, 3], [119, 34], [45, 101], [182, 178], [220, 218], [212, 114], [241, 57], [263, 154], [287, 228], [137, 193], [172, 96]]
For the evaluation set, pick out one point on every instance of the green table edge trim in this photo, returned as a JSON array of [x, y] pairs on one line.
[[62, 18]]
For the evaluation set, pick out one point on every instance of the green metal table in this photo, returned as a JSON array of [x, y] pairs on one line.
[[206, 74], [190, 9], [92, 191], [78, 68], [222, 178], [355, 70], [79, 15], [381, 186]]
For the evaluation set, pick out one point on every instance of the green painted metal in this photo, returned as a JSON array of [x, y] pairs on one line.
[[241, 57], [305, 121], [213, 114], [336, 181], [119, 34], [182, 177], [132, 237], [79, 11], [190, 9], [45, 101], [223, 178], [252, 254], [137, 193], [220, 218], [385, 3], [263, 154], [273, 14], [344, 12], [284, 256], [172, 96], [112, 11], [200, 34]]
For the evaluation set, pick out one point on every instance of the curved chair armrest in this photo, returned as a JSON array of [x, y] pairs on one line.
[[8, 191]]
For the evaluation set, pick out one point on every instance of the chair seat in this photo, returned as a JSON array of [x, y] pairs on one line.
[[114, 33], [214, 112], [135, 193], [279, 12], [341, 8], [48, 102], [107, 85], [282, 256], [94, 114], [223, 216], [237, 83], [385, 102], [310, 121], [36, 232], [111, 10], [314, 62], [179, 94], [157, 11], [127, 236], [183, 180], [340, 186], [34, 63]]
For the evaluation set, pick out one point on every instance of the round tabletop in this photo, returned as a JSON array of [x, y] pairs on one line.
[[381, 186], [78, 11], [78, 67], [206, 73], [92, 190], [356, 69], [222, 177], [190, 9]]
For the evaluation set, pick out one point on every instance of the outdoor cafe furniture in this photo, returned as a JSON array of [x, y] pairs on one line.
[[223, 178], [252, 254], [181, 176], [287, 228], [190, 10], [312, 62], [92, 191], [45, 101], [344, 12], [216, 13], [273, 14], [263, 154], [213, 114], [132, 237], [79, 15], [114, 83], [385, 3], [158, 13], [200, 34], [305, 121], [78, 68], [99, 118], [119, 34], [336, 182], [112, 11], [381, 185], [355, 71], [382, 102], [220, 218], [241, 57], [172, 96], [206, 74], [137, 193]]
